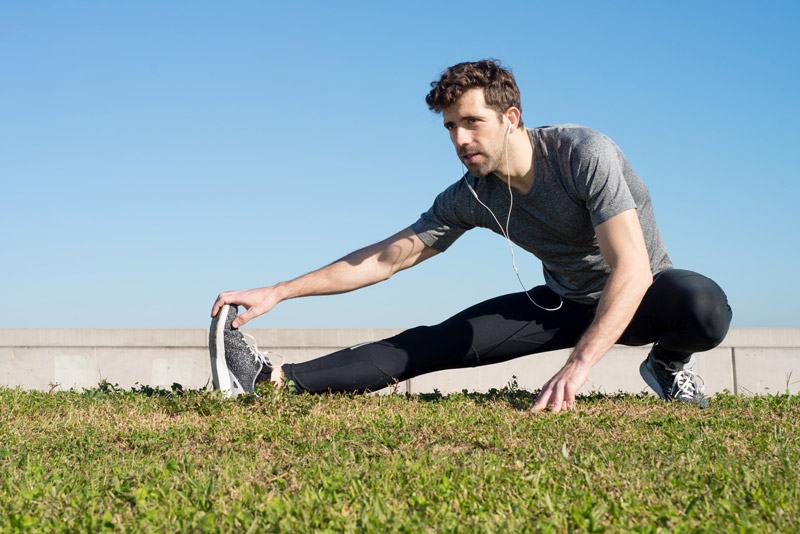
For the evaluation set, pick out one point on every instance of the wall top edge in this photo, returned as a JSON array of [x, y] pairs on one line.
[[291, 337], [186, 337]]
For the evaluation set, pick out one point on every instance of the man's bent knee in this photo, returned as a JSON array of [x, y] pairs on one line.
[[708, 313]]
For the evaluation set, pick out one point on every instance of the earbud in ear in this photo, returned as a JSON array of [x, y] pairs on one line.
[[508, 130]]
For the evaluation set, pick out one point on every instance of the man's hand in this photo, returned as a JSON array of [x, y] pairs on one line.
[[559, 392], [256, 301]]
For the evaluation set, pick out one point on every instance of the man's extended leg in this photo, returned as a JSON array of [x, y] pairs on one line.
[[493, 331], [683, 312]]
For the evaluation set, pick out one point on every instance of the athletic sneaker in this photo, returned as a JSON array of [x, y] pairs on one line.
[[235, 365], [673, 380]]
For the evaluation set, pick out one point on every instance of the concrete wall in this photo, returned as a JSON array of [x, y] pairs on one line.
[[750, 360]]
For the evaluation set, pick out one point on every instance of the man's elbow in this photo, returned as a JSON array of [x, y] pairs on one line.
[[637, 272], [644, 276], [387, 269], [647, 278], [386, 274]]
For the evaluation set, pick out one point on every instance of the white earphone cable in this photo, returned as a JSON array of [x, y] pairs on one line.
[[508, 223]]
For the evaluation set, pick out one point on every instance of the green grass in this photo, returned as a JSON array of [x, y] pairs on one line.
[[155, 461]]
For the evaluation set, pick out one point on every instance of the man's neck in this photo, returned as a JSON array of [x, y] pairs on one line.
[[520, 161]]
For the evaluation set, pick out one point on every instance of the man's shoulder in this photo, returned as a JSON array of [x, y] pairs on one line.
[[580, 141], [575, 133]]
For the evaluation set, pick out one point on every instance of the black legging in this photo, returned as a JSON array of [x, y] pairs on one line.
[[683, 311]]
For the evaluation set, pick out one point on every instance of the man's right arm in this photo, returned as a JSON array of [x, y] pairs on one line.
[[358, 269]]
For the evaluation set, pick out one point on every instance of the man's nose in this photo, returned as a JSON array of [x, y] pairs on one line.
[[461, 137]]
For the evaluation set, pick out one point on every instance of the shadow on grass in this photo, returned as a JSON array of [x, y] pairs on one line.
[[178, 399], [106, 388], [521, 399]]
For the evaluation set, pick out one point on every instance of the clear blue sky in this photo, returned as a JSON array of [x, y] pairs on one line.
[[153, 154]]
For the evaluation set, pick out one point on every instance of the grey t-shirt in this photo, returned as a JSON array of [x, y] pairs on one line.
[[581, 179]]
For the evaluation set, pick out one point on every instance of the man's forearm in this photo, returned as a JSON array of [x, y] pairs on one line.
[[361, 268], [356, 270], [621, 297]]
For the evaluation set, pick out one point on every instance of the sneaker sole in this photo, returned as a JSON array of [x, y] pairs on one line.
[[220, 376], [648, 377]]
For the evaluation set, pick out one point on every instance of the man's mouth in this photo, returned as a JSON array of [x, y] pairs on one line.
[[470, 157]]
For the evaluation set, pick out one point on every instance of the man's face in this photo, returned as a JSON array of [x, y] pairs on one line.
[[477, 133]]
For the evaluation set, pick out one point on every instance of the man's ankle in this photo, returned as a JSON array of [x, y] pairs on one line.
[[278, 378], [667, 357]]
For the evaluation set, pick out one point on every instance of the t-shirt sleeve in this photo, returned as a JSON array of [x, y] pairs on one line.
[[448, 218], [598, 166]]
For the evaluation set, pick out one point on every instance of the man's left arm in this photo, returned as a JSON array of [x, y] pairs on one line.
[[622, 244]]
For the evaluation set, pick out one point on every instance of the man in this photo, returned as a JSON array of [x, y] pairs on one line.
[[564, 193]]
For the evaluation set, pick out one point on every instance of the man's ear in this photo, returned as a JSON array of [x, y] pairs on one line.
[[512, 115]]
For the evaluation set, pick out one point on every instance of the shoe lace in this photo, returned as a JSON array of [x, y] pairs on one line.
[[684, 386], [266, 356]]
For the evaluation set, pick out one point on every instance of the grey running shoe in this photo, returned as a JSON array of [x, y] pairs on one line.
[[235, 365], [674, 380]]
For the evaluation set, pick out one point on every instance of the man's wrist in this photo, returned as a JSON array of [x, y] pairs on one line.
[[282, 291], [583, 358]]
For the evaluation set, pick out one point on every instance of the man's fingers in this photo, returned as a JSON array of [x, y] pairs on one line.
[[244, 317], [557, 400], [569, 399], [218, 304], [541, 400], [553, 397]]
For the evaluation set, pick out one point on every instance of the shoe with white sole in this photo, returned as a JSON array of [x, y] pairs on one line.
[[236, 366], [674, 380]]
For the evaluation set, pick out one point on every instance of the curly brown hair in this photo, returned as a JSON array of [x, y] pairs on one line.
[[499, 88]]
